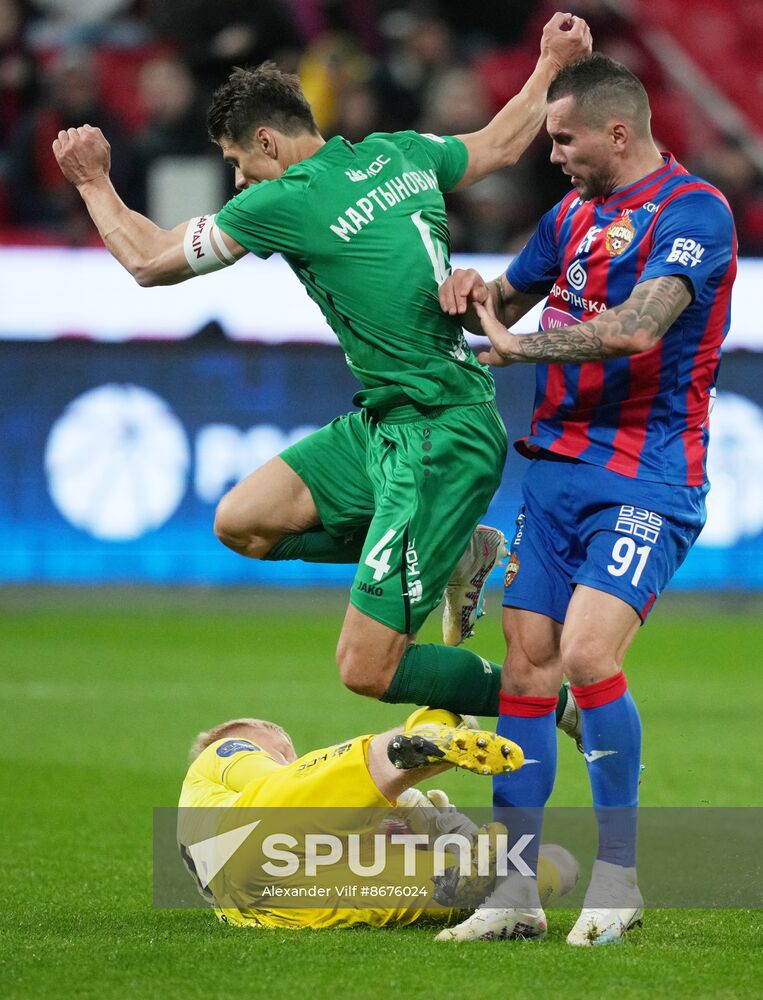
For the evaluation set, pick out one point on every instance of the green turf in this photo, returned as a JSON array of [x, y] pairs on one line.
[[100, 696]]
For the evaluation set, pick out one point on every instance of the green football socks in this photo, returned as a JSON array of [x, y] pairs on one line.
[[448, 677], [318, 546], [453, 678]]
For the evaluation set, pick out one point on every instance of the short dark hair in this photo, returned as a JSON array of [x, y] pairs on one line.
[[259, 95], [603, 89]]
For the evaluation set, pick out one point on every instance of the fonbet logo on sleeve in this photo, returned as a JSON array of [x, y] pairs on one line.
[[686, 252]]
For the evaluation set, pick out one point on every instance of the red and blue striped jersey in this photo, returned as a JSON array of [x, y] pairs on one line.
[[646, 415]]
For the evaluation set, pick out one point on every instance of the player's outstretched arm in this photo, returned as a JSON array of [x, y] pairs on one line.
[[633, 327], [508, 135], [152, 255], [463, 288]]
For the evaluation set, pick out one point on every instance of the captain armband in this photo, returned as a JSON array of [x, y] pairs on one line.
[[204, 248]]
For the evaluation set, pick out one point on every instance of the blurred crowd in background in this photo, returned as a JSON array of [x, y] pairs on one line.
[[143, 70]]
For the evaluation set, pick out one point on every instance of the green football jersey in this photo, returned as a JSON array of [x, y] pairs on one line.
[[363, 227]]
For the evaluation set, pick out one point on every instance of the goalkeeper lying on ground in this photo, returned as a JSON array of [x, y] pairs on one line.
[[340, 837]]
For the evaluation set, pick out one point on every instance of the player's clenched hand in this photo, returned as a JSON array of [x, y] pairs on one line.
[[565, 38], [460, 289], [82, 154], [502, 341]]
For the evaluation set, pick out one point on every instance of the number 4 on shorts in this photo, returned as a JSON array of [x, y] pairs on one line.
[[377, 559]]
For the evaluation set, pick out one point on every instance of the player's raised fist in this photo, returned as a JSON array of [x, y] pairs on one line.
[[565, 38], [82, 154]]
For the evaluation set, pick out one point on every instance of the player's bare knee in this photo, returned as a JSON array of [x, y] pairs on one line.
[[237, 541], [585, 659], [361, 673], [368, 653], [229, 530], [223, 533], [357, 678], [531, 669]]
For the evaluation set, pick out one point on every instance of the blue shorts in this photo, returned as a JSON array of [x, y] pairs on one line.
[[580, 523]]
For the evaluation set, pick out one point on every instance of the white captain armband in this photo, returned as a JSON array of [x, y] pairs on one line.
[[204, 247]]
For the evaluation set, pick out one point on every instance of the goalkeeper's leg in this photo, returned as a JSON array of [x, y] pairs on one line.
[[431, 743]]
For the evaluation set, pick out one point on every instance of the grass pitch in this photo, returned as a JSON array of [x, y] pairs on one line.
[[101, 694]]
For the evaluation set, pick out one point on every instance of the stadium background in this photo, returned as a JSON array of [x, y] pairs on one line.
[[125, 413], [236, 367]]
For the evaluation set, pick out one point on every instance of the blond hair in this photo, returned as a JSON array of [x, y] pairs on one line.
[[234, 727]]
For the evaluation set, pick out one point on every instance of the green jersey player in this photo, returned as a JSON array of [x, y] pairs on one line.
[[399, 485]]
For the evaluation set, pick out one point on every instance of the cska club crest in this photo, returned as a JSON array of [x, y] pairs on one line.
[[511, 570], [619, 236]]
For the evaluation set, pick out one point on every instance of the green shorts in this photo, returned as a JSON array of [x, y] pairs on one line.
[[420, 480]]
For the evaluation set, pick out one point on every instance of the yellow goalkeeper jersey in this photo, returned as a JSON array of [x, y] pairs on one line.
[[237, 774], [223, 770]]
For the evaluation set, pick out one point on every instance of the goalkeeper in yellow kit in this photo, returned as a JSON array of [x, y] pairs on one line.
[[358, 788]]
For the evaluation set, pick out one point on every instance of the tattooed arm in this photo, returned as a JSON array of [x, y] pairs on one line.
[[630, 328]]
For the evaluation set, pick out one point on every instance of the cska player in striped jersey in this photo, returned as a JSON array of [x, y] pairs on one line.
[[637, 264]]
